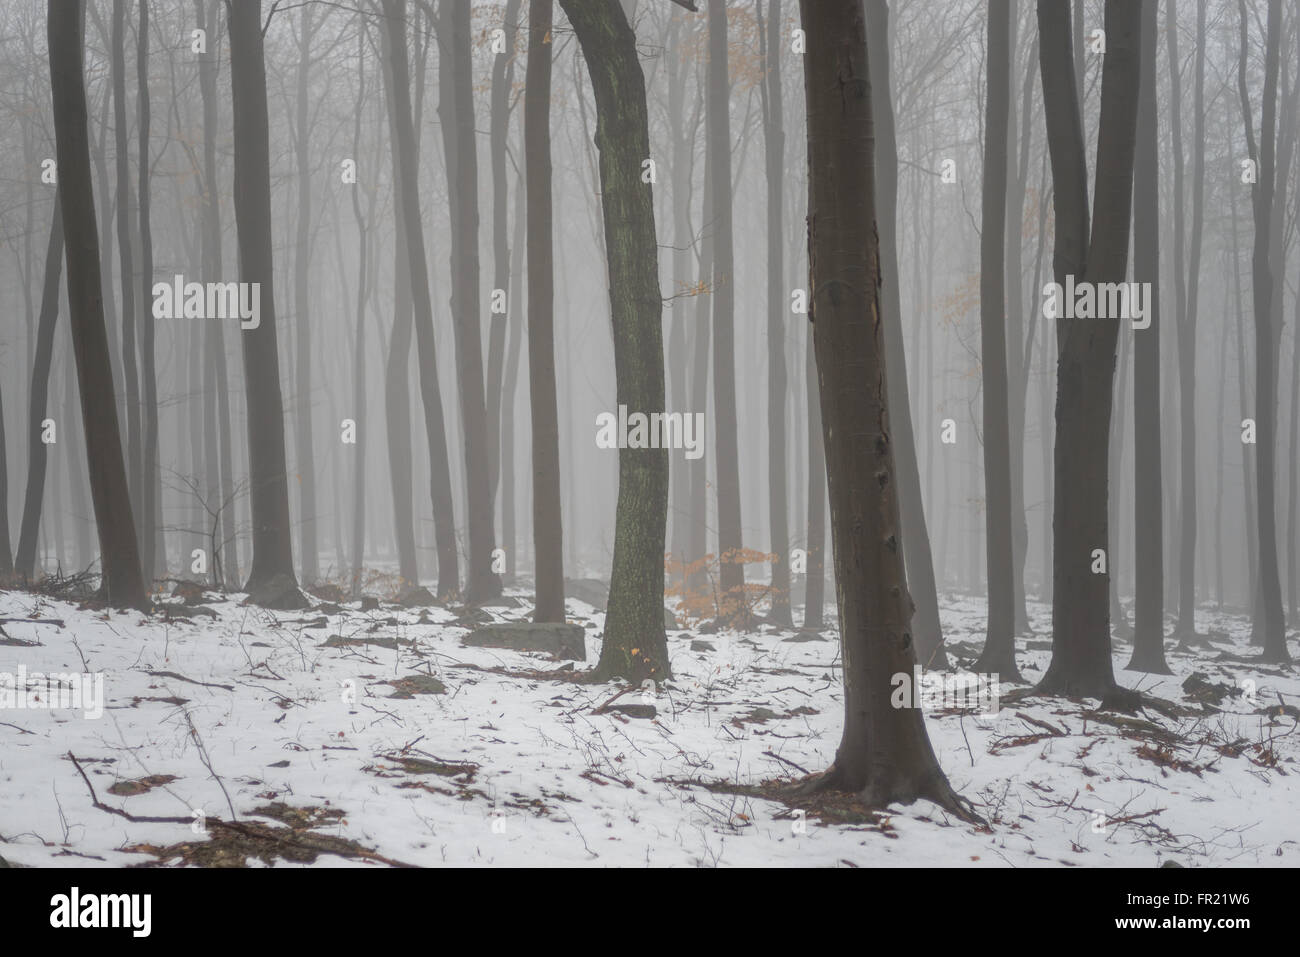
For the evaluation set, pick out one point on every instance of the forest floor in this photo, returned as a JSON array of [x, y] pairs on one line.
[[371, 738]]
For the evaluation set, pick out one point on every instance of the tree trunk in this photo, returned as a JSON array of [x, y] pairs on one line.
[[918, 559], [774, 153], [1267, 336], [634, 646], [885, 753], [397, 400], [456, 110], [25, 560], [225, 557], [134, 455], [999, 655], [1081, 660], [151, 490], [305, 454], [271, 580], [503, 75], [548, 532], [814, 595], [359, 357], [409, 199], [122, 584], [731, 570], [1148, 565]]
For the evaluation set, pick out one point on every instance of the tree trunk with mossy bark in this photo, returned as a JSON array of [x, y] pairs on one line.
[[635, 647]]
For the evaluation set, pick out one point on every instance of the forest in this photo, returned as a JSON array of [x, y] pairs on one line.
[[706, 433]]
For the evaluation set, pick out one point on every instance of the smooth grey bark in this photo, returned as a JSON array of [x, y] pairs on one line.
[[1148, 564], [121, 584], [130, 371], [33, 499], [1081, 659], [403, 145], [731, 570], [397, 398], [456, 110], [999, 654], [271, 579], [151, 539], [503, 75], [774, 170], [1267, 336], [305, 452], [548, 530], [926, 628], [884, 754]]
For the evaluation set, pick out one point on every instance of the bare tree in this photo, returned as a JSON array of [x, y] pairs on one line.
[[122, 583]]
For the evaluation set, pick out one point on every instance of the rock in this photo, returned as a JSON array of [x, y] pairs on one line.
[[670, 621], [418, 597], [635, 710], [698, 645], [558, 640], [591, 590], [505, 601], [327, 592], [369, 603]]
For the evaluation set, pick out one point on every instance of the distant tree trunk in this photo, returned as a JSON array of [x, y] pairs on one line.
[[271, 581], [919, 561], [1081, 662], [679, 365], [1148, 564], [548, 533], [509, 536], [814, 596], [1266, 337], [731, 570], [885, 753], [503, 76], [154, 555], [122, 584], [29, 531], [999, 655], [359, 357], [216, 385], [1186, 290], [774, 151], [305, 457], [634, 646], [6, 556], [430, 393], [134, 460], [1247, 469], [456, 109], [397, 401], [697, 471]]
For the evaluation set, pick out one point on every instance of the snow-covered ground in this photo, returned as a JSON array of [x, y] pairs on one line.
[[358, 737]]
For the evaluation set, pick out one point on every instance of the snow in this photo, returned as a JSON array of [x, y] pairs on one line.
[[521, 769]]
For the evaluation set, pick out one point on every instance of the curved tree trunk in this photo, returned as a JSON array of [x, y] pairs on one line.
[[409, 198], [634, 646]]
